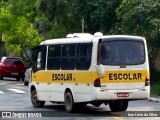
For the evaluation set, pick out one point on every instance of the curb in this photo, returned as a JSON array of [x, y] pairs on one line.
[[155, 100]]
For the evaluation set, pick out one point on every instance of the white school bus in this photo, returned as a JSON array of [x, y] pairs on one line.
[[93, 69]]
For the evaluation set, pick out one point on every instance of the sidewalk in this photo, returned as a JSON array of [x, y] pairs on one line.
[[154, 98]]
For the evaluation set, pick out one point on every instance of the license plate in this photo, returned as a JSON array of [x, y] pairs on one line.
[[122, 94], [14, 73]]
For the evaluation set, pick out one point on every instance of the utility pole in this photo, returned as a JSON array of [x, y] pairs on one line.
[[82, 25]]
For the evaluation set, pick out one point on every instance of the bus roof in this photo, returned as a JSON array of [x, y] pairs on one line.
[[73, 38], [121, 36], [85, 38]]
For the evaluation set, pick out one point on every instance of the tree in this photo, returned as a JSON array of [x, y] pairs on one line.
[[22, 36], [99, 15], [67, 15], [16, 24]]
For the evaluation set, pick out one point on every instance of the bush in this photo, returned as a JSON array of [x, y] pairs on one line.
[[2, 54], [155, 82]]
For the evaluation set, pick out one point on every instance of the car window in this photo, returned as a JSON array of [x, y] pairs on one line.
[[13, 61], [17, 62]]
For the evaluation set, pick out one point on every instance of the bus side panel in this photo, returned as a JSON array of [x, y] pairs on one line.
[[82, 86], [41, 87], [55, 84]]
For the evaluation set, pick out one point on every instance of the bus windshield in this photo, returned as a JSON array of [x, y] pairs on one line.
[[122, 52]]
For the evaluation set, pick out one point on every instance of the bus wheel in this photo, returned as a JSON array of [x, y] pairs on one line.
[[69, 102], [118, 105], [35, 102]]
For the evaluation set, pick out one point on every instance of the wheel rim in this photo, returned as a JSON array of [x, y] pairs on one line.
[[68, 103], [34, 98]]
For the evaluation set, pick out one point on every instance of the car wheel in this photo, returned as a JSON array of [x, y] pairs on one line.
[[22, 78], [18, 78], [69, 102], [35, 102], [1, 77]]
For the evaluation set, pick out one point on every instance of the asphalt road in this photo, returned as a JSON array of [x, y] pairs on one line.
[[15, 98]]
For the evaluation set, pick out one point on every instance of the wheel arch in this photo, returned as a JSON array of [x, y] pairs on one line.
[[69, 90], [32, 88]]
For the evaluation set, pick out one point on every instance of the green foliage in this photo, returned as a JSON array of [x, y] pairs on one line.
[[58, 31], [98, 15], [2, 53], [139, 17], [5, 20], [23, 8], [155, 75], [16, 24], [155, 89]]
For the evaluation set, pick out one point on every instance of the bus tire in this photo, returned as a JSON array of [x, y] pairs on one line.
[[35, 102], [119, 105], [69, 102]]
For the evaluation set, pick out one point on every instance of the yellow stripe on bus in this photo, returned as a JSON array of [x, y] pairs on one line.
[[88, 77], [125, 76]]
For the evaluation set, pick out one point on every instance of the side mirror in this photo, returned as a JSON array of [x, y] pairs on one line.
[[100, 70], [39, 64]]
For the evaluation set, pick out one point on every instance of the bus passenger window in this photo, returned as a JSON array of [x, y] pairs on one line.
[[83, 59], [68, 57], [54, 57]]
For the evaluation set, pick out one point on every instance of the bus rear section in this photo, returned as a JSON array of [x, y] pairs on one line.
[[123, 71]]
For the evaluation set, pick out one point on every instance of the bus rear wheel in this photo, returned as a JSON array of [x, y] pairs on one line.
[[69, 102], [118, 105], [35, 102]]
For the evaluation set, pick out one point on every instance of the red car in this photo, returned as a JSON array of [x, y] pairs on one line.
[[12, 67]]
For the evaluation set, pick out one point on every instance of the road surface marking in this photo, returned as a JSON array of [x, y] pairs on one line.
[[17, 91], [119, 118], [1, 92], [20, 84], [5, 83], [18, 87]]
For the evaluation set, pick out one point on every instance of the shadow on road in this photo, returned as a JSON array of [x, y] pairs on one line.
[[88, 111]]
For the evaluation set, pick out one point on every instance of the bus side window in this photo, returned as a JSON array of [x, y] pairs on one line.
[[54, 57], [83, 60], [68, 57]]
